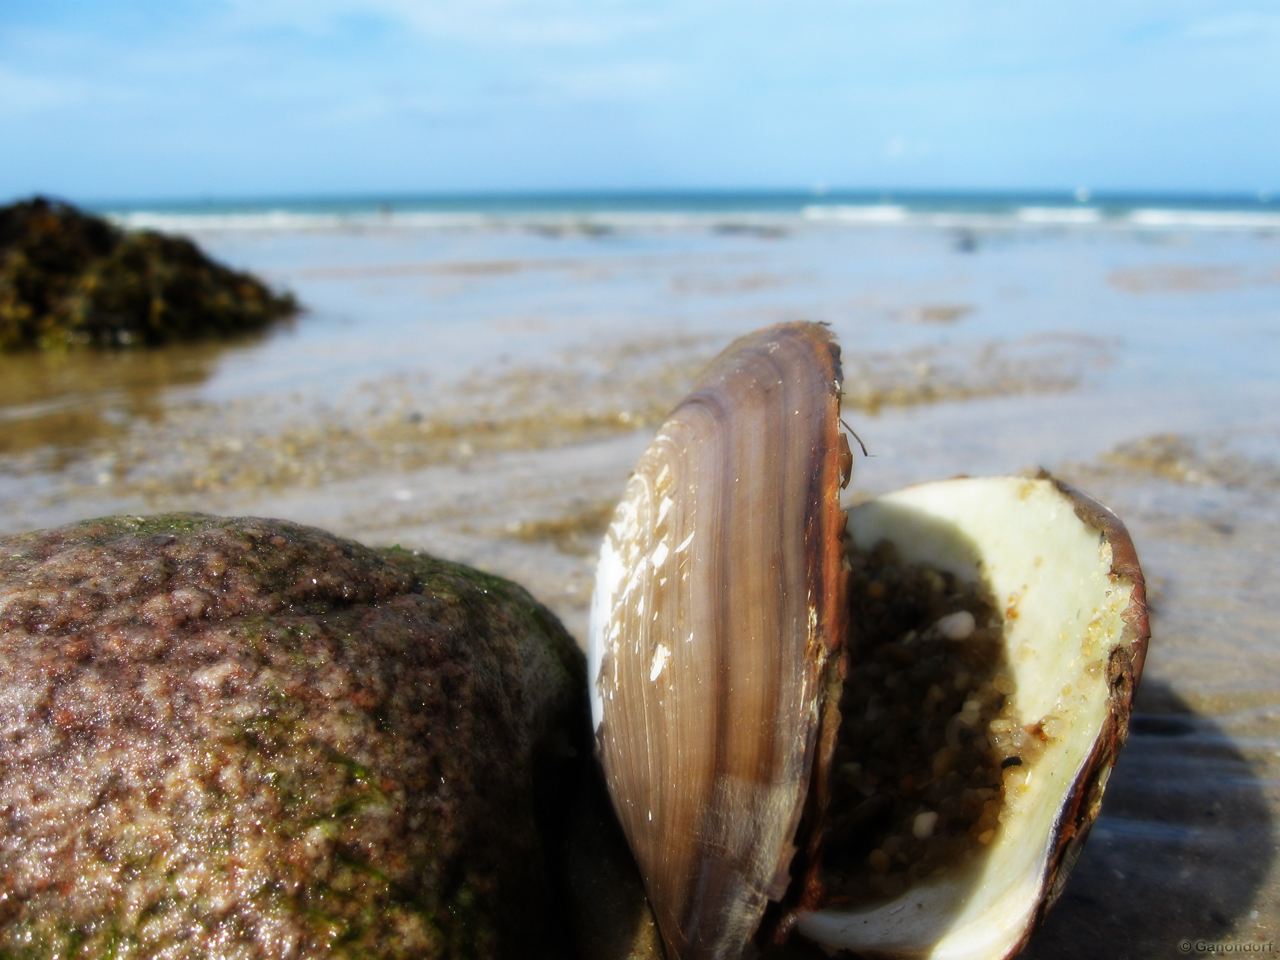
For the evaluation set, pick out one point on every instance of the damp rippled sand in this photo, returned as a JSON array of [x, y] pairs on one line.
[[484, 394]]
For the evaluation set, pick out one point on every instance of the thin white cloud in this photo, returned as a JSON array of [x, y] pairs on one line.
[[1250, 26], [22, 94], [635, 81], [480, 23]]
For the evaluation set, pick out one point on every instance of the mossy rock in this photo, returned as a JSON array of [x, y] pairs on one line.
[[69, 279], [250, 738]]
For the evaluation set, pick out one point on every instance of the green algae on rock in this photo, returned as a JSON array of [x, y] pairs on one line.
[[68, 279], [243, 737]]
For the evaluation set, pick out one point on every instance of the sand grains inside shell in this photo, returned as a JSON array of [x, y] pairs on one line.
[[930, 736]]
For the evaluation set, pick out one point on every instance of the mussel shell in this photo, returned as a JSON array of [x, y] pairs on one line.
[[719, 608]]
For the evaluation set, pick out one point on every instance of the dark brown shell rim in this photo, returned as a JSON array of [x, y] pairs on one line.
[[1124, 672]]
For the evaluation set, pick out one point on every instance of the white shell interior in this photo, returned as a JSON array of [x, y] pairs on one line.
[[1051, 572]]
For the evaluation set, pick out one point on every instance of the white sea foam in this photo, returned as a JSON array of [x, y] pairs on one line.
[[845, 213], [587, 223], [1205, 219], [282, 220], [604, 221], [1063, 215], [899, 215]]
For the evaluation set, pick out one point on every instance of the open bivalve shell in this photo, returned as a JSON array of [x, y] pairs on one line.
[[718, 669]]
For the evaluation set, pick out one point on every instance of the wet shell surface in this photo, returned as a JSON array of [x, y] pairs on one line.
[[717, 658], [719, 602]]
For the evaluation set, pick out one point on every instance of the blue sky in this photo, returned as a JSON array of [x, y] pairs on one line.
[[223, 98]]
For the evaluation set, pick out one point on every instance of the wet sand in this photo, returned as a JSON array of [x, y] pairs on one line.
[[483, 394]]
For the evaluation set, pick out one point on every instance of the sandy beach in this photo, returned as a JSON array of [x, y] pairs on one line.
[[480, 390]]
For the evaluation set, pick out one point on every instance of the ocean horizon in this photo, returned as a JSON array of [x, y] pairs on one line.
[[605, 211]]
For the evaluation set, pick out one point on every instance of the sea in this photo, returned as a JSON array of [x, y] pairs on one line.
[[477, 375]]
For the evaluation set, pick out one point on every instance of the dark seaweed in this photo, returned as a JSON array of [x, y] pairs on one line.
[[71, 279]]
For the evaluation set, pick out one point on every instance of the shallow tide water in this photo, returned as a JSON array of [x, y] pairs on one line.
[[482, 392]]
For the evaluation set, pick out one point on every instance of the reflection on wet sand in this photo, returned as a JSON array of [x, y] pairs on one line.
[[1180, 458], [68, 401]]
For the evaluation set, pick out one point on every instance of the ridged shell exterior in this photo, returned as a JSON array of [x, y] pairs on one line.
[[720, 601]]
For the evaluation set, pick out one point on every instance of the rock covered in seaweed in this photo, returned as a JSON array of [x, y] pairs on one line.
[[250, 738], [68, 278]]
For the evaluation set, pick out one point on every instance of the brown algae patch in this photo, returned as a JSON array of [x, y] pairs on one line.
[[1182, 459], [938, 313], [1185, 278], [1046, 364], [577, 533], [930, 738]]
